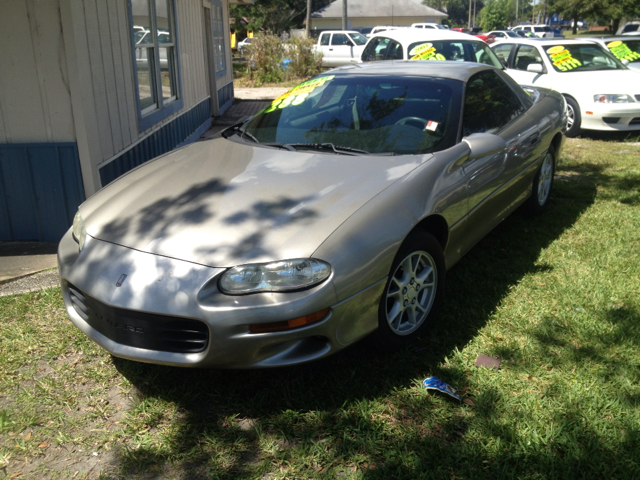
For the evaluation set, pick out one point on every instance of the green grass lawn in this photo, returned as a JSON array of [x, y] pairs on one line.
[[556, 297]]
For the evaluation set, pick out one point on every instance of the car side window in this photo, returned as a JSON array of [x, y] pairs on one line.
[[394, 51], [489, 104], [503, 51], [525, 56], [324, 39], [376, 49], [340, 39]]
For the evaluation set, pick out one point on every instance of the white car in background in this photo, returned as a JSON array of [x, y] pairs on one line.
[[540, 31], [629, 28], [433, 26], [502, 35], [243, 44], [383, 28], [624, 48], [428, 44], [600, 91], [340, 47]]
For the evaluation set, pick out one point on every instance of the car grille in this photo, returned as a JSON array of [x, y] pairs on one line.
[[635, 121], [139, 329]]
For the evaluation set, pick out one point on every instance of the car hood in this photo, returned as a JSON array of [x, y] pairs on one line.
[[597, 82], [223, 203]]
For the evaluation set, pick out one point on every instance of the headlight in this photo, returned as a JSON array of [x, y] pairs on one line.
[[281, 276], [79, 232], [618, 98]]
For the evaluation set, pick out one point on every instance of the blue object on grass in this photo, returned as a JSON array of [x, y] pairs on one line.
[[285, 63], [434, 383]]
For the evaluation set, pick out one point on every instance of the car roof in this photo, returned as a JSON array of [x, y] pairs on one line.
[[419, 34], [544, 41], [411, 68], [605, 40], [339, 31]]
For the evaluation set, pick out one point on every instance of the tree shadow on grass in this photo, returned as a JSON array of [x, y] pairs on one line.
[[255, 417]]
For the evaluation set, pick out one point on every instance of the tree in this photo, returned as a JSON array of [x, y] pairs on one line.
[[574, 9], [457, 10], [275, 16], [495, 15]]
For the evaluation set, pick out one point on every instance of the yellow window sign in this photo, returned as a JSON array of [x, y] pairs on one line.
[[298, 94], [562, 59], [622, 51], [426, 51]]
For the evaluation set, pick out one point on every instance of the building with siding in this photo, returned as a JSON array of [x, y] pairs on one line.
[[90, 89], [369, 13]]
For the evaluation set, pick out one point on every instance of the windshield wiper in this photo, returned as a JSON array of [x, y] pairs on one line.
[[286, 146], [330, 146], [237, 130]]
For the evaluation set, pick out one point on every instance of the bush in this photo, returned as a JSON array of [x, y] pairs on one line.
[[266, 53], [305, 60], [265, 56]]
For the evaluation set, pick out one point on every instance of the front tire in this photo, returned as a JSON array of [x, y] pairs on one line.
[[573, 118], [542, 184], [413, 292]]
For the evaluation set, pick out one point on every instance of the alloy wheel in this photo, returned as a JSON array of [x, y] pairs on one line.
[[545, 178], [411, 292]]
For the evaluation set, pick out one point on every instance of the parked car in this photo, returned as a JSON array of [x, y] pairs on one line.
[[432, 25], [501, 35], [624, 48], [485, 37], [540, 31], [601, 92], [331, 215], [427, 44], [243, 44], [383, 28], [340, 47], [629, 28]]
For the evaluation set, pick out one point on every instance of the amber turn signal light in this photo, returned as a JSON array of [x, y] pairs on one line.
[[288, 324]]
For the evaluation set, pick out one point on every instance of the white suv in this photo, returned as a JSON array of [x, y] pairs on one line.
[[540, 31], [435, 26]]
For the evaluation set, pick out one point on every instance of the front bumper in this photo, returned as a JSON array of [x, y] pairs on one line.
[[164, 306], [610, 116]]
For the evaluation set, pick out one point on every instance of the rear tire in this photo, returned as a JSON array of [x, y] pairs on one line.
[[413, 292], [573, 118], [542, 183]]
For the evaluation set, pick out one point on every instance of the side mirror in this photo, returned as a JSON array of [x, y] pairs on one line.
[[484, 144], [535, 68]]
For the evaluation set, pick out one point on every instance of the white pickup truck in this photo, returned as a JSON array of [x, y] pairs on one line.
[[340, 47]]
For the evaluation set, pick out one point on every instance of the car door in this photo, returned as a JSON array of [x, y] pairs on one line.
[[492, 106], [324, 46], [340, 51], [524, 56]]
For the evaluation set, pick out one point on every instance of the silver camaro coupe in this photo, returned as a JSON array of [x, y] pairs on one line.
[[332, 214]]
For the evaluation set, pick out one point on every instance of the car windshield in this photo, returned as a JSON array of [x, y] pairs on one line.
[[371, 114], [511, 34], [581, 58], [358, 38], [628, 50], [455, 50]]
